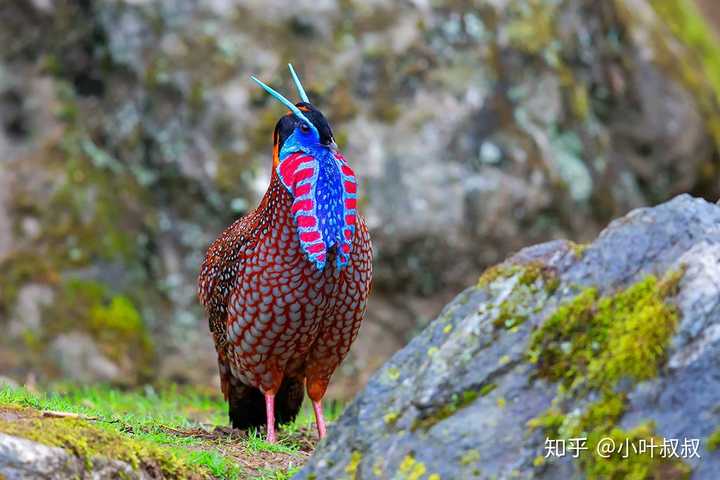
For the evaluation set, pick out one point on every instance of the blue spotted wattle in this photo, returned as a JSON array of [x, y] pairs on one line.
[[324, 190]]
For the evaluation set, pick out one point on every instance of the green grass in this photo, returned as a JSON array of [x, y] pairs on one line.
[[141, 409], [180, 422]]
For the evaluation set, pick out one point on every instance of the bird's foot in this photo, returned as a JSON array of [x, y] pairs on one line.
[[270, 411], [319, 419]]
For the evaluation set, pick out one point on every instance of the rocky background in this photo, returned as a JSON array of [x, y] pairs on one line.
[[130, 135]]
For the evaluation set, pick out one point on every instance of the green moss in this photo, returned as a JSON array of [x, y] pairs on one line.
[[493, 273], [351, 468], [588, 345], [529, 273], [120, 316], [88, 441], [637, 466], [713, 441], [551, 422], [486, 389], [508, 317], [594, 341], [598, 422]]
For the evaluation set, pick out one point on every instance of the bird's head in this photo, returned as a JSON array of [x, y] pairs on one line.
[[322, 184], [312, 132]]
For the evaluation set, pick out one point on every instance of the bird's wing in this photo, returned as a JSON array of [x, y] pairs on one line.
[[224, 261]]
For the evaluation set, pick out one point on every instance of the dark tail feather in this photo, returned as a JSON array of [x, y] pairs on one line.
[[247, 404]]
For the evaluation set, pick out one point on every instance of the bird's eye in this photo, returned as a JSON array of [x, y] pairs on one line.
[[304, 128]]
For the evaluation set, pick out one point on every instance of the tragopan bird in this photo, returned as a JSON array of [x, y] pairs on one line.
[[285, 286]]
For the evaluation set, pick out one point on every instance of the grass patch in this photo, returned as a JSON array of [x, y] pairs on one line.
[[182, 433]]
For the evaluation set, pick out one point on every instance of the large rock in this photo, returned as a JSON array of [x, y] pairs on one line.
[[131, 135], [619, 338], [22, 459]]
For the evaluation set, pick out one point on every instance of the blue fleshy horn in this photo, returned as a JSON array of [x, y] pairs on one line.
[[277, 96], [298, 85]]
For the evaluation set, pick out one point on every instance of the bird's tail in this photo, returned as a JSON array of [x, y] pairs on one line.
[[247, 404]]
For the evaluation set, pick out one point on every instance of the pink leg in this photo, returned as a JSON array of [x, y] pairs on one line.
[[270, 411], [319, 420]]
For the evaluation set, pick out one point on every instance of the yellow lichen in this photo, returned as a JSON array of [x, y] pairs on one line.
[[377, 468], [351, 468], [411, 469], [391, 417], [392, 373]]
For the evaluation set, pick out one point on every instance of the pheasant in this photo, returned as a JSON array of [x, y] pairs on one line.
[[285, 287]]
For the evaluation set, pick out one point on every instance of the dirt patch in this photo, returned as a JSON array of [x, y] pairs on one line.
[[10, 414], [236, 445]]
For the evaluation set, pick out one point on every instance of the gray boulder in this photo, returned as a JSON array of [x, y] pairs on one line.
[[22, 459], [617, 339]]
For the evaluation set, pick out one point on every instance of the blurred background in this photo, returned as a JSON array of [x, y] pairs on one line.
[[130, 136]]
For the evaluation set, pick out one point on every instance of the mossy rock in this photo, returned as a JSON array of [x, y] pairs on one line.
[[93, 444], [599, 346]]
